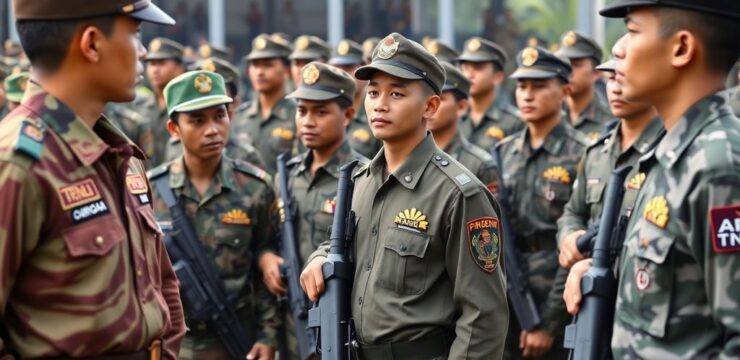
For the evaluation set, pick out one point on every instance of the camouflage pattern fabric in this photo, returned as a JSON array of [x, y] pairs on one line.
[[233, 150], [131, 124], [156, 120]]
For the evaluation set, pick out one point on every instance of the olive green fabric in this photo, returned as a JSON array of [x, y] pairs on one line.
[[308, 47], [347, 52], [456, 80], [265, 46], [574, 45], [442, 50], [143, 10], [321, 82], [477, 49], [538, 63]]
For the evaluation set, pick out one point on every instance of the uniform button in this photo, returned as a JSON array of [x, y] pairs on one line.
[[445, 162], [99, 241], [139, 272], [368, 266], [404, 248], [359, 301], [374, 231], [237, 241], [438, 158], [408, 178], [381, 197]]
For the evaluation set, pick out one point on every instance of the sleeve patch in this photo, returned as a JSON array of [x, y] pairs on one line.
[[484, 242], [725, 228]]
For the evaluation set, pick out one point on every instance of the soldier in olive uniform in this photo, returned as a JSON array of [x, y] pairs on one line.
[[427, 283], [442, 51], [164, 62], [678, 293], [348, 57], [444, 128], [15, 87], [85, 273], [489, 120], [267, 122], [584, 108], [307, 48], [538, 167], [228, 204]]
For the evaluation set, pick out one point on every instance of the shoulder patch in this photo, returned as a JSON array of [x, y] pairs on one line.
[[253, 170], [158, 171], [456, 173], [484, 242], [31, 139], [725, 227]]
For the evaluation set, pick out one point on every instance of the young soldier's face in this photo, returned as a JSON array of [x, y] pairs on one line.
[[584, 76], [161, 72], [482, 76], [448, 113], [396, 107], [267, 75], [539, 99], [120, 67], [618, 105], [203, 132], [321, 124]]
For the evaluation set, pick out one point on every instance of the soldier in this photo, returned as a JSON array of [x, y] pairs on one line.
[[164, 62], [678, 292], [85, 273], [427, 283], [488, 121], [233, 149], [638, 130], [584, 109], [442, 51], [307, 48], [538, 165], [444, 128], [15, 87], [348, 57], [228, 203]]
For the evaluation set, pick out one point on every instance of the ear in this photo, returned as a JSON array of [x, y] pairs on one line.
[[91, 40], [173, 129], [567, 90], [349, 114], [498, 77], [462, 108], [431, 107], [684, 49]]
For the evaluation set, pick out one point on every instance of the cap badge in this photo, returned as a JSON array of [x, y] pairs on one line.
[[388, 48], [343, 48], [529, 56], [569, 39], [260, 43], [155, 45], [209, 65], [205, 51], [310, 75], [302, 43], [368, 46], [474, 45], [532, 42], [203, 84], [434, 48]]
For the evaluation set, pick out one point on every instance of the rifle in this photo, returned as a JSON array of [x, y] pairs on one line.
[[587, 337], [332, 315], [291, 268], [201, 285], [517, 291]]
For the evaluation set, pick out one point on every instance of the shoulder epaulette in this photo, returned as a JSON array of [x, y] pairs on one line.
[[31, 139], [158, 171], [457, 173], [481, 154], [250, 169], [295, 160]]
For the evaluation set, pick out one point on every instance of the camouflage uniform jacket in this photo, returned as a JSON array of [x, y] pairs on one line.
[[735, 100], [477, 160], [85, 271], [539, 183], [587, 201], [133, 125], [233, 150], [232, 221], [156, 120], [591, 120], [678, 289], [498, 123], [271, 136], [361, 138]]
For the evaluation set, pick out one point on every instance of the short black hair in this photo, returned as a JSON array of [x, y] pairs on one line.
[[46, 42], [175, 117], [719, 34], [232, 88], [459, 95], [343, 103]]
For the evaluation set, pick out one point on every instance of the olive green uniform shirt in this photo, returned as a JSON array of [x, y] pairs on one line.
[[591, 120], [271, 136], [361, 137], [496, 124], [477, 160]]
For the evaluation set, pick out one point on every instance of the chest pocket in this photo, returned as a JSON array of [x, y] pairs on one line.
[[232, 252], [322, 218], [281, 138], [402, 268], [647, 280], [95, 238], [550, 197]]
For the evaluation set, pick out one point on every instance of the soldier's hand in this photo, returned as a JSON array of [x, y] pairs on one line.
[[572, 293], [536, 343], [261, 351], [569, 253], [270, 265], [312, 279]]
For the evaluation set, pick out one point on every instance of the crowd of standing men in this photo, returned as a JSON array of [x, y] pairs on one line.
[[91, 160]]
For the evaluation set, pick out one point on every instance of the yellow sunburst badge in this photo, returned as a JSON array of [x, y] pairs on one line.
[[343, 48], [495, 133], [236, 217], [155, 45], [557, 173], [594, 135], [361, 135], [412, 218], [657, 211], [635, 183], [387, 48], [474, 45], [433, 47], [203, 84], [282, 133], [569, 39], [368, 46], [529, 56], [310, 75]]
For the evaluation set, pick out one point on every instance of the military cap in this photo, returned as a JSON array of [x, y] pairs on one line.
[[347, 52], [367, 48], [442, 50], [574, 45], [534, 41], [208, 50], [163, 49], [322, 82], [195, 90], [227, 70], [538, 63], [308, 47], [726, 8], [143, 10], [405, 59], [265, 46], [283, 38], [477, 49], [15, 86], [609, 66], [455, 80]]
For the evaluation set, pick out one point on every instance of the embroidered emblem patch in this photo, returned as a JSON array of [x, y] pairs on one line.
[[203, 84], [301, 43], [387, 48], [635, 182], [155, 45], [557, 173], [494, 132], [361, 135], [282, 133], [412, 219], [657, 212], [484, 243], [136, 184], [89, 211], [330, 205], [205, 51], [236, 217], [209, 65], [79, 193], [311, 75], [33, 132], [642, 279], [260, 43], [343, 48], [594, 135], [433, 48], [474, 45], [725, 227]]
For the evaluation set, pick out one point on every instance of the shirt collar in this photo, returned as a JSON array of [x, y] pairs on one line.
[[342, 156], [279, 110], [409, 173], [224, 175], [552, 144]]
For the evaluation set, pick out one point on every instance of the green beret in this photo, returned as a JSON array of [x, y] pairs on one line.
[[143, 10], [195, 90], [574, 45], [322, 82], [347, 52], [308, 47], [15, 86], [538, 63], [162, 49], [268, 47]]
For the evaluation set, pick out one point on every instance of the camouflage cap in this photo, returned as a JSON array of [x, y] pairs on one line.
[[405, 59], [12, 48], [162, 49], [726, 8], [195, 90], [367, 48], [143, 10], [442, 50], [456, 80], [309, 47], [609, 66], [208, 50], [266, 47], [323, 82], [227, 70], [347, 52], [538, 63], [15, 86], [477, 49], [574, 45]]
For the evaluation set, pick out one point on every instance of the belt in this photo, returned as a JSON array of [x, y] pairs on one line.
[[434, 346], [154, 352]]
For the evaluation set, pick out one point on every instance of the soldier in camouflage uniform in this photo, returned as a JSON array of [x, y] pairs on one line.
[[444, 128], [132, 124], [678, 292], [488, 121], [584, 109], [15, 87], [84, 270], [228, 203], [348, 57], [267, 122], [538, 167], [307, 48]]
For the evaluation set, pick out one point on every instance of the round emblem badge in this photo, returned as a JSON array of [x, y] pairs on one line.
[[260, 43], [529, 56], [368, 46], [155, 45], [203, 84], [388, 48], [569, 39], [642, 279], [205, 51], [209, 65], [434, 48], [343, 48], [301, 43], [310, 75], [474, 45]]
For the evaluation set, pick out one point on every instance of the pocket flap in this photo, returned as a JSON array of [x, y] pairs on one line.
[[150, 221], [407, 243], [655, 245], [96, 237], [594, 192]]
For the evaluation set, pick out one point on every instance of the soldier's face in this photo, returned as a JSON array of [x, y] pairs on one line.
[[321, 124], [482, 75], [119, 67], [203, 132], [619, 106], [584, 76], [450, 110], [539, 99], [161, 72], [267, 75]]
